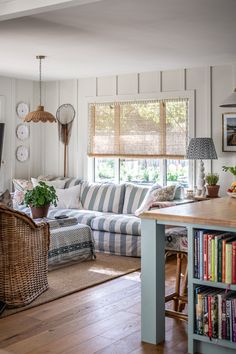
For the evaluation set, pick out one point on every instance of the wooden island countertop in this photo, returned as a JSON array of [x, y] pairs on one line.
[[216, 212]]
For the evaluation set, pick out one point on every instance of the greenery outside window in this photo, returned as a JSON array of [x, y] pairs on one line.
[[140, 141]]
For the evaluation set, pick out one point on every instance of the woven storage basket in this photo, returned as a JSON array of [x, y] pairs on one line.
[[23, 257]]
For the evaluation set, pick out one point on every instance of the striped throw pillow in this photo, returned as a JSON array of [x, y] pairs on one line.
[[105, 197], [134, 196]]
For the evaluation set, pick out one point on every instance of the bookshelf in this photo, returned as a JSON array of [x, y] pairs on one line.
[[212, 215]]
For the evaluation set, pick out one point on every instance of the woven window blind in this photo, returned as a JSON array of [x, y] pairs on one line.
[[153, 128]]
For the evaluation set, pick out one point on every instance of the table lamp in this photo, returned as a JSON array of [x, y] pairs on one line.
[[201, 149]]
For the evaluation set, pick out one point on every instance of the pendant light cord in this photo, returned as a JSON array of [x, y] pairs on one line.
[[40, 57]]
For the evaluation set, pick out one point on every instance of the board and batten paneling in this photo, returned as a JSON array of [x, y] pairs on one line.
[[12, 92], [210, 84], [222, 85]]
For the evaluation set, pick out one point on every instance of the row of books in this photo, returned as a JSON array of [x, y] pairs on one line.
[[215, 256], [215, 314]]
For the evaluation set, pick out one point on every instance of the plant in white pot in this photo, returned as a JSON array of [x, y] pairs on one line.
[[212, 186], [40, 198]]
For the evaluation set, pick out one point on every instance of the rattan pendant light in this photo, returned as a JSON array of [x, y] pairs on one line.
[[40, 115]]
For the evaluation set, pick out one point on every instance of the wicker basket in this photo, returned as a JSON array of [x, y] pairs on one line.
[[23, 257]]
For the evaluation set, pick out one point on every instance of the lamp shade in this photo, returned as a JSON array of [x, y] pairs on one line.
[[201, 149], [230, 101], [40, 115]]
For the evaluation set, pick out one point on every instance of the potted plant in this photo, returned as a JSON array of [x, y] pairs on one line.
[[212, 186], [40, 198], [232, 169]]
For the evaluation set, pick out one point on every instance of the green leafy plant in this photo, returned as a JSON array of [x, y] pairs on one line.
[[212, 179], [41, 195], [231, 169]]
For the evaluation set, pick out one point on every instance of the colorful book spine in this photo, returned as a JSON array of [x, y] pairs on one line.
[[213, 258], [199, 314], [228, 263], [219, 316], [224, 324], [228, 319], [234, 262], [214, 316], [205, 257], [209, 260], [220, 255], [223, 260], [205, 316], [234, 319], [209, 316], [196, 254], [201, 257]]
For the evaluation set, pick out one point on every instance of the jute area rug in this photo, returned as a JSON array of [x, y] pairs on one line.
[[68, 279]]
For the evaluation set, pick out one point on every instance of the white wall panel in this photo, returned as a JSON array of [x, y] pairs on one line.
[[106, 86], [149, 82], [88, 87], [127, 84], [172, 80], [51, 151], [221, 88]]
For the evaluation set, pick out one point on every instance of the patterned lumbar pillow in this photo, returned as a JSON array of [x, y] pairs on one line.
[[21, 186], [56, 183], [165, 193], [156, 194], [5, 198]]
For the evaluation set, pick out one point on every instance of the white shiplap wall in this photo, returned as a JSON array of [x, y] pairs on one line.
[[13, 91], [210, 84]]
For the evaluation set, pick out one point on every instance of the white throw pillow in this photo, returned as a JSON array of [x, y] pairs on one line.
[[56, 184], [148, 200], [69, 198], [156, 194]]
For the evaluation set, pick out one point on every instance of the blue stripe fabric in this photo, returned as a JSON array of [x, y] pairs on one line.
[[104, 197], [119, 244], [122, 224], [134, 196]]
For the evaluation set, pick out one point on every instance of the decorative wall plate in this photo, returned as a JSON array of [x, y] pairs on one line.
[[22, 153], [22, 109], [22, 131]]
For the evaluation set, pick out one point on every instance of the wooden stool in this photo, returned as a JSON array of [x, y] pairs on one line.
[[179, 297]]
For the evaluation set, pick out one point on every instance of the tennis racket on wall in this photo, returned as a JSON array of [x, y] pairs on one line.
[[65, 115]]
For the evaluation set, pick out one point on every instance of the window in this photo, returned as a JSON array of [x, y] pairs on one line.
[[140, 141], [142, 171], [145, 129]]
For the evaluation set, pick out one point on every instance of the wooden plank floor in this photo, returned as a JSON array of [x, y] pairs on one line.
[[104, 320]]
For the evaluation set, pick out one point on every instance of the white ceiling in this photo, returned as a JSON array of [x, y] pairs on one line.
[[119, 36]]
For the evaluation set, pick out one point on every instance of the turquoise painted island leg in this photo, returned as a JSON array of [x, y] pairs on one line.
[[152, 282]]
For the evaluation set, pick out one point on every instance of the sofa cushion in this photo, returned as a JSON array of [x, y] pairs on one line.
[[83, 216], [122, 224], [105, 197], [119, 244], [134, 196]]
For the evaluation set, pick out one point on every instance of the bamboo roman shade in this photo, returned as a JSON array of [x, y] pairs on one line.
[[149, 128]]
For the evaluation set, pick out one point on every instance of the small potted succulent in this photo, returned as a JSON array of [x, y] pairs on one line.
[[212, 186], [39, 199]]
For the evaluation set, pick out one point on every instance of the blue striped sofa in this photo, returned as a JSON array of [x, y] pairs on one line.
[[109, 209]]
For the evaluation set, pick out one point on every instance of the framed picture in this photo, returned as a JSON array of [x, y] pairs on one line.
[[229, 132]]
